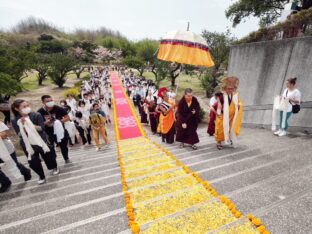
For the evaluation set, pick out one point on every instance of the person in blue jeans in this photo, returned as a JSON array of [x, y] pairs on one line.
[[293, 96]]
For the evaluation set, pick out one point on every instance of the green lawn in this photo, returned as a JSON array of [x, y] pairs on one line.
[[183, 81], [31, 81]]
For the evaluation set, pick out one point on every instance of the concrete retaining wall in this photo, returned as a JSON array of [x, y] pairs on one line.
[[263, 69]]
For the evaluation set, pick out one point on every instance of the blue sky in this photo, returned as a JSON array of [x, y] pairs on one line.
[[136, 19]]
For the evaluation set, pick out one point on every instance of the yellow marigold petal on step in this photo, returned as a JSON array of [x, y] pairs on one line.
[[146, 212], [223, 199], [250, 216], [155, 178], [142, 172], [203, 219], [135, 228], [146, 163], [139, 195], [237, 214], [261, 229], [256, 221]]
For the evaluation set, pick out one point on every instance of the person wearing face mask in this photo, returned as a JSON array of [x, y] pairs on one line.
[[29, 126], [229, 113], [188, 119], [51, 112]]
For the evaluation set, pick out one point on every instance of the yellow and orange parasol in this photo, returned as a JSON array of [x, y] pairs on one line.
[[185, 47]]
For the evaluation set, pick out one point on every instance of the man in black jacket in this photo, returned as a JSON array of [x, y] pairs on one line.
[[51, 112]]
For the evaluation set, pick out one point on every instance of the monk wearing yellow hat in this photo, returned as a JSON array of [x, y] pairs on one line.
[[229, 111]]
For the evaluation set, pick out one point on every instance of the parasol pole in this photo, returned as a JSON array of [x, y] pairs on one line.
[[187, 29]]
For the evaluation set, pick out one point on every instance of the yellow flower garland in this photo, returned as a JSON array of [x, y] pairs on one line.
[[142, 208]]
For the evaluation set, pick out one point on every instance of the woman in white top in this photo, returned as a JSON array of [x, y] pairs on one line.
[[293, 96]]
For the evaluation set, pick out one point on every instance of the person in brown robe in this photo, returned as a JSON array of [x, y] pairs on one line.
[[143, 113], [188, 119], [152, 116]]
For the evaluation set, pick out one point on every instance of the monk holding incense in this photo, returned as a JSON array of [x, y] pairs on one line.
[[229, 113]]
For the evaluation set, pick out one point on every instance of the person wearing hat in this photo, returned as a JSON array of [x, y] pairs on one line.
[[229, 113]]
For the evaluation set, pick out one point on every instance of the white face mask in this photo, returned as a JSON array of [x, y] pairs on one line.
[[26, 110], [50, 104]]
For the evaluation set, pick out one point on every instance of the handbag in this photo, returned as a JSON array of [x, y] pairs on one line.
[[295, 108]]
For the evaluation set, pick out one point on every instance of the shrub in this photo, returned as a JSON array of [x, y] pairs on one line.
[[72, 91]]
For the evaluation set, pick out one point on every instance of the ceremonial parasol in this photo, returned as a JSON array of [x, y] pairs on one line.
[[185, 47]]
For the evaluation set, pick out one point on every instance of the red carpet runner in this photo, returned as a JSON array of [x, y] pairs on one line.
[[128, 126]]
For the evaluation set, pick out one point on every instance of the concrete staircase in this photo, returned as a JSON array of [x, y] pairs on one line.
[[267, 176]]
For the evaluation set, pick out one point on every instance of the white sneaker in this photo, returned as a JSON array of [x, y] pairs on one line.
[[97, 149], [55, 171], [41, 181], [277, 132], [282, 133]]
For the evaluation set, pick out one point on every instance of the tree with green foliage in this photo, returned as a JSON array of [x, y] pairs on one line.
[[60, 65], [14, 62], [219, 47], [134, 62], [40, 63], [174, 72], [127, 48], [8, 85], [86, 50], [267, 10], [13, 65], [45, 37], [146, 50], [50, 47], [161, 71]]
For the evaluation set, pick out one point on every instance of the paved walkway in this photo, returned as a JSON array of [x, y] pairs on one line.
[[267, 176]]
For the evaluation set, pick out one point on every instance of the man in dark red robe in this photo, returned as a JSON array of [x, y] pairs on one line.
[[188, 119]]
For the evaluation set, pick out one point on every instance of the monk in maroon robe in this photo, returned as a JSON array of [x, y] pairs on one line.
[[152, 116], [188, 119]]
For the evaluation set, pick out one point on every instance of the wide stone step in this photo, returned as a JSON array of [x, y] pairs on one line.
[[291, 215]]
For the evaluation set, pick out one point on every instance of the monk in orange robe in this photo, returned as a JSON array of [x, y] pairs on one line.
[[166, 119], [229, 113]]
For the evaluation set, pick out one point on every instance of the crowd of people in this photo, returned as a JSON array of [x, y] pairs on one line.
[[41, 133], [177, 120], [83, 119]]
